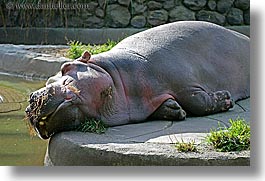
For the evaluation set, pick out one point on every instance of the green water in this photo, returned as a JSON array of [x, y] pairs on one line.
[[17, 147]]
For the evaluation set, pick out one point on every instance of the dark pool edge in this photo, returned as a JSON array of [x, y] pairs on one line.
[[55, 36]]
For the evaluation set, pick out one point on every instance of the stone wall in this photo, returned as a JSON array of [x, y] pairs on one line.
[[130, 13]]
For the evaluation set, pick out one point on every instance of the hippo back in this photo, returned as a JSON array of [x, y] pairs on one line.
[[192, 52]]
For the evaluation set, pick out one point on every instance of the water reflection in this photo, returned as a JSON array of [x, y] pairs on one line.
[[15, 140]]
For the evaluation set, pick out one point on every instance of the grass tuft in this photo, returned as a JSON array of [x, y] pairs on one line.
[[186, 146], [234, 138], [93, 126], [77, 48]]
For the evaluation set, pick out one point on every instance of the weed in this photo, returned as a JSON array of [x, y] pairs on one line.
[[77, 48], [93, 126], [186, 146], [234, 138]]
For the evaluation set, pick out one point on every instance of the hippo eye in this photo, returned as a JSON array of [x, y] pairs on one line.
[[67, 82]]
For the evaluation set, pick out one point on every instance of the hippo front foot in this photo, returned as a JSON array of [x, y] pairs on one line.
[[223, 100], [169, 110]]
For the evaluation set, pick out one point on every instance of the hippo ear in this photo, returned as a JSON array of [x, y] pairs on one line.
[[85, 57]]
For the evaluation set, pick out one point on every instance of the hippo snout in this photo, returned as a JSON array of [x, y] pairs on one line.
[[49, 101]]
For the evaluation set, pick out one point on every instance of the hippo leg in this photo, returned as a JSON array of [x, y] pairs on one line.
[[201, 103], [169, 110]]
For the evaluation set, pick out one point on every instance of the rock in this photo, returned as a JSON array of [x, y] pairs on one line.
[[138, 21], [223, 6], [247, 17], [195, 4], [138, 8], [111, 1], [178, 2], [157, 17], [211, 16], [140, 1], [91, 6], [75, 22], [242, 4], [117, 16], [102, 3], [94, 22], [181, 13], [100, 13], [56, 22], [152, 5], [82, 13], [211, 5], [169, 4], [124, 2], [235, 17], [38, 22]]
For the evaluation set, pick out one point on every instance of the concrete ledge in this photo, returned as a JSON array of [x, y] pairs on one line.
[[61, 36], [21, 60], [148, 143], [56, 36], [63, 150]]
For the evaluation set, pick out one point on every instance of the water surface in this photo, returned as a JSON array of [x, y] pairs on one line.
[[17, 147]]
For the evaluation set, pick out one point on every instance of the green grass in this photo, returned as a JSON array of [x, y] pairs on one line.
[[234, 138], [186, 146], [77, 48], [93, 126]]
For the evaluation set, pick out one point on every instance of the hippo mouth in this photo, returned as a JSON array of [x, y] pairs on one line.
[[52, 109]]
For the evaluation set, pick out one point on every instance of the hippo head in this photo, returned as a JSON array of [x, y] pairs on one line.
[[68, 98]]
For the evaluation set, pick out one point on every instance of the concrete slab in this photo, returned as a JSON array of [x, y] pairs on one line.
[[21, 60], [244, 104], [148, 143], [141, 154], [182, 137]]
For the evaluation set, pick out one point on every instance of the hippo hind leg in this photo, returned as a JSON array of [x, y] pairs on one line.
[[200, 103], [169, 110]]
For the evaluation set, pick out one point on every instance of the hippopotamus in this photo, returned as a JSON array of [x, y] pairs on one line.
[[187, 68]]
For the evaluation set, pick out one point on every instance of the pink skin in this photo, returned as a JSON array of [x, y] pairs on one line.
[[92, 84], [86, 89]]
